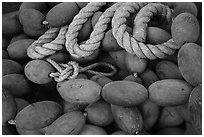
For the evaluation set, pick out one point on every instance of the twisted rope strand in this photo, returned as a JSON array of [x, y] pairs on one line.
[[98, 33], [55, 45], [131, 44], [47, 37], [72, 69], [119, 18], [76, 25], [65, 71], [88, 69], [144, 16]]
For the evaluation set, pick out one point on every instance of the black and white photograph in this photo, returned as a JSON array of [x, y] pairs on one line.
[[101, 68]]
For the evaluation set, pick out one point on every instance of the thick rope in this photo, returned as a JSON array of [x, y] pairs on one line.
[[47, 37], [144, 16], [72, 69], [135, 45], [87, 48], [99, 30], [121, 14], [76, 25], [55, 45]]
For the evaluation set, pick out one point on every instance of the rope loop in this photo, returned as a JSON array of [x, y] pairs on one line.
[[72, 69], [135, 43], [103, 64], [55, 39], [88, 47]]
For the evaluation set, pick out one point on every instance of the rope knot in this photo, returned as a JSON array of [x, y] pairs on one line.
[[64, 71], [72, 69]]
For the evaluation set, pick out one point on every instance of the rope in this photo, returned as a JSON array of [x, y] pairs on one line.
[[144, 16], [87, 48], [47, 37], [120, 17], [55, 45], [72, 69], [76, 25], [134, 44]]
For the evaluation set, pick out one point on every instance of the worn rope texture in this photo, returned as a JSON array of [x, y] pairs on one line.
[[55, 45], [72, 69], [130, 43], [47, 37], [99, 30], [75, 26], [87, 48], [144, 16], [122, 13]]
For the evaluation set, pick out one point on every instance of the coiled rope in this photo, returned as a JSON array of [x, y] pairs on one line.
[[87, 48], [135, 44], [55, 38]]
